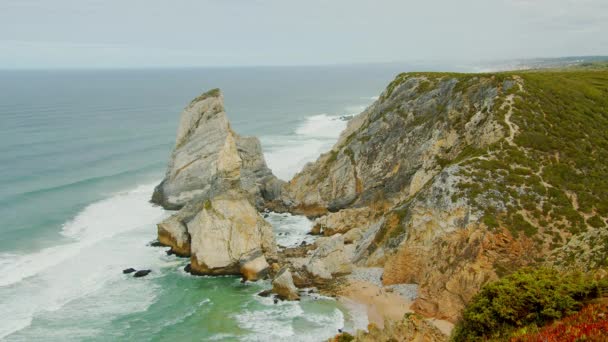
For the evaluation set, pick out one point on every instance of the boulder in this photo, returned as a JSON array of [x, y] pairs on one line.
[[353, 235], [141, 273], [342, 221], [283, 286], [253, 266], [173, 232], [332, 257], [265, 293], [128, 270], [225, 232]]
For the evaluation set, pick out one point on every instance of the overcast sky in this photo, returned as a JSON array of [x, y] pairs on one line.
[[145, 33]]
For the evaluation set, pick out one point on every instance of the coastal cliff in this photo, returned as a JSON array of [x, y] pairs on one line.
[[445, 183], [450, 181]]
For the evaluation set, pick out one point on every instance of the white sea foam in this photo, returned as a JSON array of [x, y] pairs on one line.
[[321, 126], [107, 236], [290, 230], [82, 278], [286, 155], [357, 318], [354, 110], [270, 323], [373, 98], [288, 320]]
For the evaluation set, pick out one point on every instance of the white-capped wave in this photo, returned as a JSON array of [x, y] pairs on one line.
[[270, 323], [290, 230], [297, 321], [98, 221], [354, 110], [322, 126], [357, 314], [286, 155], [373, 98], [107, 236]]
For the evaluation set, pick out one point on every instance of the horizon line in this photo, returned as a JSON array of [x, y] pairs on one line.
[[454, 63]]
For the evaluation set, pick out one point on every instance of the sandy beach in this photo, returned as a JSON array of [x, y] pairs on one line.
[[381, 303]]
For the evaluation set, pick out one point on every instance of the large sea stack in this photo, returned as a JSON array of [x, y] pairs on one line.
[[218, 180]]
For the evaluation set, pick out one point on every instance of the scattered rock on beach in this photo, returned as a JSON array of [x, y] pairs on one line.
[[283, 286]]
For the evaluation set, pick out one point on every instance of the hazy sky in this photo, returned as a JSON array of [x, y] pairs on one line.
[[143, 33]]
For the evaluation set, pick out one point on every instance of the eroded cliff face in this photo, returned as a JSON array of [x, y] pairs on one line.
[[390, 151], [389, 181], [451, 180]]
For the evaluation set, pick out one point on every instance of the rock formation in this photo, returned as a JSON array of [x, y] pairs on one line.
[[386, 188], [230, 237], [452, 180], [447, 181], [218, 180], [210, 159], [412, 328], [283, 285]]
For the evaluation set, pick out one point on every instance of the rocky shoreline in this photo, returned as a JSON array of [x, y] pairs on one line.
[[220, 186], [415, 200]]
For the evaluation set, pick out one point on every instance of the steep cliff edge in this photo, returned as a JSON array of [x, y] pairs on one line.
[[465, 178]]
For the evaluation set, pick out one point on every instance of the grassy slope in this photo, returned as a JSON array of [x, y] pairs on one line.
[[554, 177], [556, 174]]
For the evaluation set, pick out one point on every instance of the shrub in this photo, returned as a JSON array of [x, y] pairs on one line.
[[527, 297], [590, 324]]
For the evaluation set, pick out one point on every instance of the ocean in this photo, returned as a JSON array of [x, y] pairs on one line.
[[80, 153]]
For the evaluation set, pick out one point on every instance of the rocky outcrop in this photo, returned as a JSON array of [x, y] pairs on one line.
[[173, 231], [225, 233], [342, 221], [447, 181], [254, 266], [283, 285], [390, 191], [210, 159], [392, 149], [466, 178], [412, 328], [218, 180], [332, 257]]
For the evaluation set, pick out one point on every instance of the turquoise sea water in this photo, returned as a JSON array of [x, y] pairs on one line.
[[80, 152]]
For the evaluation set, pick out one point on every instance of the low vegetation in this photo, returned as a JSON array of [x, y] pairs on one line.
[[524, 301], [590, 324]]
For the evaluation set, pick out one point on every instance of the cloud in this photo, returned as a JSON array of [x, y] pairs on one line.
[[583, 16], [283, 32]]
